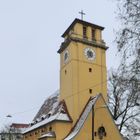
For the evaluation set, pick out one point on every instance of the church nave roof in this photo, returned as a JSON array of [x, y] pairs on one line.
[[51, 110]]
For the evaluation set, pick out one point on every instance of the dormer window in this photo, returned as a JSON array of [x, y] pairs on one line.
[[42, 118], [93, 34], [84, 32], [49, 114]]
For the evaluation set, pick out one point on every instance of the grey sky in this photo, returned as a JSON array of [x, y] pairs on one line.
[[30, 35]]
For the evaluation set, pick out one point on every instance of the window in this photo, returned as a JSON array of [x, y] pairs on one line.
[[90, 91], [101, 132], [49, 114], [46, 128], [93, 34], [84, 32], [95, 133], [90, 69], [65, 56], [65, 71], [50, 128]]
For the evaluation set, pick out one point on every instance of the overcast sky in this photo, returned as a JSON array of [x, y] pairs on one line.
[[30, 35]]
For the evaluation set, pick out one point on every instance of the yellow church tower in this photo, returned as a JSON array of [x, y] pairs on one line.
[[83, 65], [79, 110]]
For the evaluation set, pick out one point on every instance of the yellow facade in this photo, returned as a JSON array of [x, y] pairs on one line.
[[82, 77], [62, 129], [57, 127], [101, 118], [37, 133], [75, 78]]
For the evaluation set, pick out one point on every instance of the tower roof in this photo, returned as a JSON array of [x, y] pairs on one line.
[[85, 23]]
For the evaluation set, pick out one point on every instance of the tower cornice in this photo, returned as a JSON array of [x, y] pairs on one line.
[[65, 44]]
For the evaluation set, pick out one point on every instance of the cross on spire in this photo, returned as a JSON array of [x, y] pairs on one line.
[[82, 14]]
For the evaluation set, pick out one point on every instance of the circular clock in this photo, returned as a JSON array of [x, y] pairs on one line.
[[89, 53], [66, 56]]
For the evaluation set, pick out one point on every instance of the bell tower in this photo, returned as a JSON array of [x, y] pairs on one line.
[[82, 65]]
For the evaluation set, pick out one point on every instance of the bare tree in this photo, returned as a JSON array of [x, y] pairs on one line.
[[124, 103], [124, 83], [129, 35], [10, 133]]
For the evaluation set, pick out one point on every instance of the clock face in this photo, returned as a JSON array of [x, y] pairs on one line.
[[90, 54], [66, 56]]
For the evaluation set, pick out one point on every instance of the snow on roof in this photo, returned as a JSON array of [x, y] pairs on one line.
[[82, 119], [59, 116], [49, 107], [51, 110], [49, 134]]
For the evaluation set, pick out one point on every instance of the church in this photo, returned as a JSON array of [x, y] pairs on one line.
[[78, 111]]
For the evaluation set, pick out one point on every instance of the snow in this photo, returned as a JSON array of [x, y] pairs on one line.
[[82, 119], [58, 116], [49, 107], [49, 134], [63, 117], [23, 129], [54, 95], [40, 124], [55, 105]]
